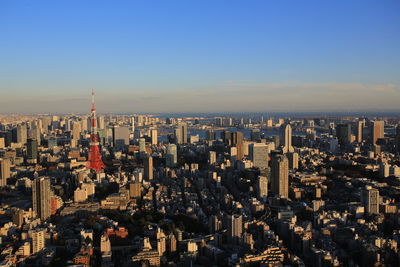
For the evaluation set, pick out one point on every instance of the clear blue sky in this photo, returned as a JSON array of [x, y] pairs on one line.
[[143, 56]]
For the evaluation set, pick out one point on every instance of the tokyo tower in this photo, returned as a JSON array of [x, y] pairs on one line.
[[95, 163]]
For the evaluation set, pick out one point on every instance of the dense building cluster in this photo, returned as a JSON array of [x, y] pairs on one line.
[[199, 191]]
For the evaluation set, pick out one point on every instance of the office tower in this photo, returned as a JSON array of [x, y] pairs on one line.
[[41, 197], [258, 154], [32, 149], [359, 131], [22, 133], [38, 240], [212, 157], [227, 137], [101, 122], [262, 187], [343, 133], [135, 190], [234, 228], [120, 136], [34, 132], [210, 135], [261, 119], [237, 141], [293, 158], [370, 199], [133, 125], [181, 133], [5, 165], [255, 135], [285, 138], [148, 168], [171, 156], [95, 162], [280, 175], [154, 137], [76, 130], [142, 145], [377, 131]]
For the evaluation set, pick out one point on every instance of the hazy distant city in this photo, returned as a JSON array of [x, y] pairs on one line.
[[200, 133]]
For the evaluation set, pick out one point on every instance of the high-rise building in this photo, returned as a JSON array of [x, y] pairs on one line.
[[237, 141], [38, 241], [171, 156], [181, 133], [293, 158], [359, 131], [32, 149], [343, 133], [148, 168], [120, 136], [142, 145], [262, 187], [135, 190], [41, 197], [5, 165], [280, 175], [76, 130], [285, 138], [377, 131], [370, 199], [154, 137], [22, 133], [210, 135], [235, 228], [212, 157], [258, 154]]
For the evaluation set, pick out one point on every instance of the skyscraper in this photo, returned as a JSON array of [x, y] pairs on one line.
[[22, 133], [258, 154], [262, 187], [280, 175], [370, 200], [154, 137], [148, 168], [41, 197], [285, 138], [181, 133], [359, 130], [377, 131], [4, 171], [32, 149], [237, 141], [171, 156], [343, 133], [235, 228], [120, 136]]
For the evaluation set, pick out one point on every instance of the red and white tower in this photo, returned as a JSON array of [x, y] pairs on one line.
[[95, 163]]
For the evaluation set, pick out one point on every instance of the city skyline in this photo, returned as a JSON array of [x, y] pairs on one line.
[[187, 57]]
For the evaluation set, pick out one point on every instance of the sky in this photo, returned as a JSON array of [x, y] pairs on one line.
[[199, 56]]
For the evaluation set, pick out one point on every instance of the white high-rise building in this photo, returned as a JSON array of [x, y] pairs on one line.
[[285, 138]]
